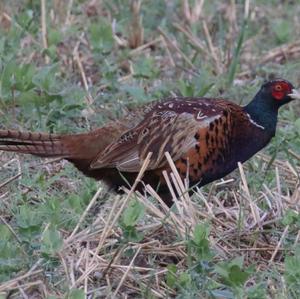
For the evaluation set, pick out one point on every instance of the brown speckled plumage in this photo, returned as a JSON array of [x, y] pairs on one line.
[[205, 138]]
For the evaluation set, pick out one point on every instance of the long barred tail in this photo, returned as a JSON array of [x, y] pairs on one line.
[[40, 144], [73, 147]]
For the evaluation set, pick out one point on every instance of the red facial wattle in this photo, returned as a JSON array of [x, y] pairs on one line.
[[278, 95], [280, 89]]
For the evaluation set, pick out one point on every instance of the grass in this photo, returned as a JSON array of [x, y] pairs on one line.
[[69, 66]]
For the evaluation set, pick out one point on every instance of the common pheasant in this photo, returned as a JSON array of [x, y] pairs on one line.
[[206, 138]]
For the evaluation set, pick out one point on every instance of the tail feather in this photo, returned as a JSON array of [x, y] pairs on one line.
[[73, 147], [40, 144]]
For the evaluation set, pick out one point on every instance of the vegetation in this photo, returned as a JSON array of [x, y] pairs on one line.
[[69, 66]]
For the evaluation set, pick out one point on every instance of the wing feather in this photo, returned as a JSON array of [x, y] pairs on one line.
[[169, 127]]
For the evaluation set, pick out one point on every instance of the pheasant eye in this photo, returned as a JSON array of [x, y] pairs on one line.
[[279, 90]]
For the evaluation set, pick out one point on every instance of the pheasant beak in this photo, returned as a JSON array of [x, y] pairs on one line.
[[295, 95]]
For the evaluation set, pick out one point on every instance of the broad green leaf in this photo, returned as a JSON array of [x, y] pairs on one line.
[[171, 277], [200, 242], [54, 37], [145, 68], [282, 30], [28, 220], [292, 270], [7, 79], [5, 233], [233, 273], [75, 294], [101, 36], [185, 279], [51, 241], [290, 217], [46, 80], [133, 213], [297, 125], [201, 233]]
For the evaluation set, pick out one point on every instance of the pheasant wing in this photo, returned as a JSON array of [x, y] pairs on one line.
[[170, 127]]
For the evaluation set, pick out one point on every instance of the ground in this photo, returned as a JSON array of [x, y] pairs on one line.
[[69, 66]]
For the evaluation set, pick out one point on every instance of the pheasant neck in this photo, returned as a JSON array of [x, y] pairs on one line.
[[264, 113]]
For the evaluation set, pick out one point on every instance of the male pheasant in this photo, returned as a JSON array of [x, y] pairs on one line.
[[205, 137]]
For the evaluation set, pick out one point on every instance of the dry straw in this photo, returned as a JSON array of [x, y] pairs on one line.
[[93, 259]]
